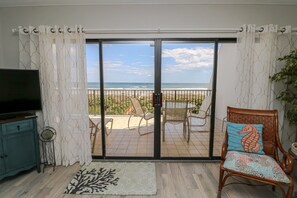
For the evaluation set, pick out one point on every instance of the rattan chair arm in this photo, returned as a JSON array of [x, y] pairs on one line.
[[287, 163], [224, 147], [224, 151]]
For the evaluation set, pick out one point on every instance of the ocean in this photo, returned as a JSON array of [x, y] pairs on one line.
[[125, 85]]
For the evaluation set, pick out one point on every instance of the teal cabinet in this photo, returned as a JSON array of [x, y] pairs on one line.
[[19, 148], [2, 168]]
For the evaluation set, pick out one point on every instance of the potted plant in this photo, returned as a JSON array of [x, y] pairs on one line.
[[288, 76]]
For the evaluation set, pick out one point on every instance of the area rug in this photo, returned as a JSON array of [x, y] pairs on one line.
[[115, 178]]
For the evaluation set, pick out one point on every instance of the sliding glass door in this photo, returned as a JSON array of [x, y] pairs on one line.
[[187, 75], [154, 99], [121, 84], [93, 76], [128, 87]]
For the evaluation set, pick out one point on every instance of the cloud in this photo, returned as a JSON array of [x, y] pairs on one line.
[[113, 65], [136, 63], [139, 72], [189, 58], [134, 68]]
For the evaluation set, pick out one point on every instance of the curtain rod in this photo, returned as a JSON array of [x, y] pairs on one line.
[[158, 31], [175, 31], [162, 31]]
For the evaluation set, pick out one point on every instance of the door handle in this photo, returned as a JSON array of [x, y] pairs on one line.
[[157, 100]]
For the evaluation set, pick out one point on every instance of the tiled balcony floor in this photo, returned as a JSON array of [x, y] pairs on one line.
[[127, 142]]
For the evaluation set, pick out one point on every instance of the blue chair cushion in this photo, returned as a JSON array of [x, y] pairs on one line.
[[262, 166], [245, 137]]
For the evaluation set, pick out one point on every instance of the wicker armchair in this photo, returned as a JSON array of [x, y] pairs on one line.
[[271, 143]]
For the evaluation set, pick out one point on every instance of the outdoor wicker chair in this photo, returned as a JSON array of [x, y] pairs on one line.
[[95, 126], [198, 120], [175, 112], [139, 112]]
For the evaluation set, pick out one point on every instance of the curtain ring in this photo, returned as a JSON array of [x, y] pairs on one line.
[[59, 30], [25, 31], [52, 30], [35, 30], [261, 29], [69, 30], [241, 29], [283, 30]]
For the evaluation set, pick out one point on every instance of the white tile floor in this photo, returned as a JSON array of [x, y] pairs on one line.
[[125, 142]]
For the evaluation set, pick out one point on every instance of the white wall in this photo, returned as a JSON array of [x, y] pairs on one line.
[[226, 81], [139, 17]]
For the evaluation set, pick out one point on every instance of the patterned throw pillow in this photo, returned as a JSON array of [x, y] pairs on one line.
[[245, 137]]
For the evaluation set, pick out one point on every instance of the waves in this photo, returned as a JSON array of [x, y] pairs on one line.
[[149, 86]]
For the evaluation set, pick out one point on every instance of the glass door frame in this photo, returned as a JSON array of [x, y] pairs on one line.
[[157, 90], [100, 42]]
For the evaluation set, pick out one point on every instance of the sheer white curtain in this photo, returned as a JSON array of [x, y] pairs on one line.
[[257, 61], [60, 58]]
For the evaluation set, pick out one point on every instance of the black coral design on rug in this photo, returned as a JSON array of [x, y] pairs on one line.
[[92, 181]]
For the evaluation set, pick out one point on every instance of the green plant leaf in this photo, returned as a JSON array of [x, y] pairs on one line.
[[288, 76]]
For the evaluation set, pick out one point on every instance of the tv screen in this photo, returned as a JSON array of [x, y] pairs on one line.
[[19, 91]]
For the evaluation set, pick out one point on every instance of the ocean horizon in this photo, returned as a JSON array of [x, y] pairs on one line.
[[137, 85]]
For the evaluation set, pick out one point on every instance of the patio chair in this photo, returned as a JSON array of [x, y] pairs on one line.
[[198, 120], [95, 126], [175, 112], [265, 167], [139, 112]]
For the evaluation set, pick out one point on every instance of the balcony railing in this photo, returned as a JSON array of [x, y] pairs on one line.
[[117, 100]]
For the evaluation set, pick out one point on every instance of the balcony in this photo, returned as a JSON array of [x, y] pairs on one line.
[[127, 142]]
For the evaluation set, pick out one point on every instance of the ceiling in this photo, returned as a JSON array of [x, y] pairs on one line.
[[14, 3]]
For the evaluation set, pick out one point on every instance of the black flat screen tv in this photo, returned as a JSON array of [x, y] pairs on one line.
[[19, 91]]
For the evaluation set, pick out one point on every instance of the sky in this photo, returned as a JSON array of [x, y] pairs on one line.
[[134, 62]]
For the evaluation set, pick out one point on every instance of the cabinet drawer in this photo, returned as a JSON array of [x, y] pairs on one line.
[[16, 127]]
